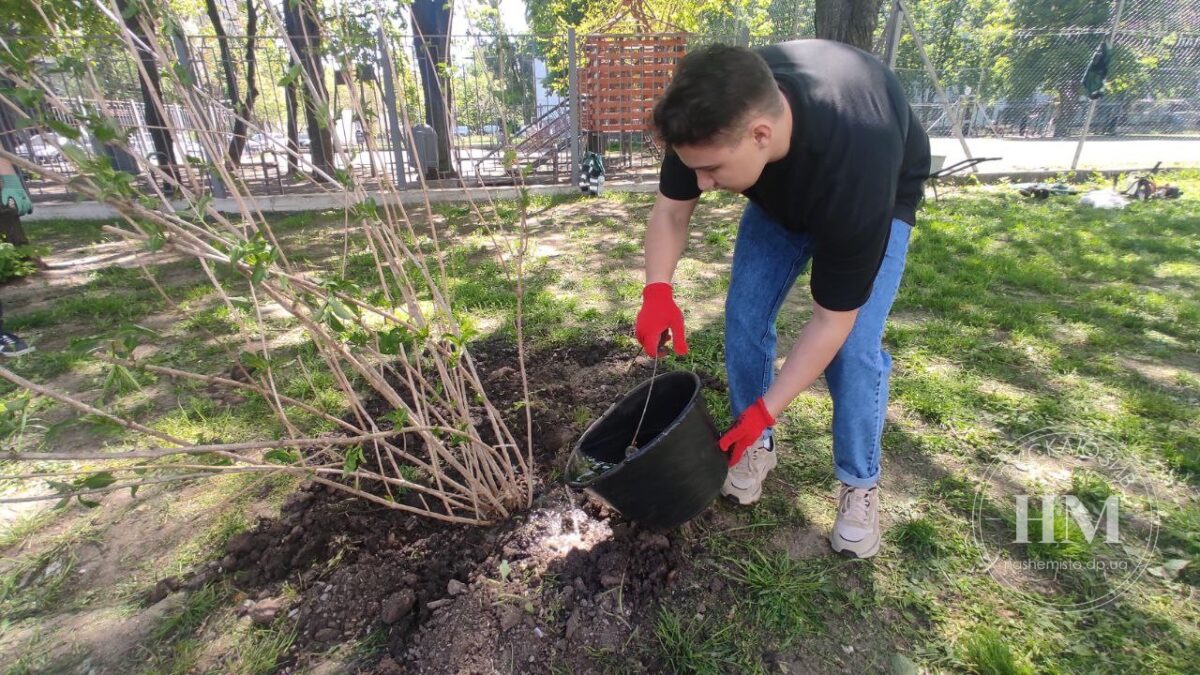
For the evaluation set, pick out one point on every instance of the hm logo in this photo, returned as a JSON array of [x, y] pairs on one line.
[[1075, 508]]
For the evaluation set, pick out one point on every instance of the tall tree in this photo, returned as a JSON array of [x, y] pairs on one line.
[[138, 20], [242, 107], [431, 37], [304, 31], [849, 21]]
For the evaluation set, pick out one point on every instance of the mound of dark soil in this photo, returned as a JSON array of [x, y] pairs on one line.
[[549, 588]]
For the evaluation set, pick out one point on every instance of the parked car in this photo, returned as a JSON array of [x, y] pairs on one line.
[[261, 142]]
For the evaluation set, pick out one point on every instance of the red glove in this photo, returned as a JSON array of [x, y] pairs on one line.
[[659, 315], [746, 431]]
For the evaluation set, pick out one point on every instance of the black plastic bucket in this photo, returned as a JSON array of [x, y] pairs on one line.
[[677, 469]]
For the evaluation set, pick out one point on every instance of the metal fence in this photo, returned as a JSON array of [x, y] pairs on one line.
[[497, 102], [976, 90]]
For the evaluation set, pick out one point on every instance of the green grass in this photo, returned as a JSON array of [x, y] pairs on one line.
[[259, 651], [33, 584], [987, 653], [697, 646], [917, 537], [786, 597], [22, 529], [197, 606], [1013, 316]]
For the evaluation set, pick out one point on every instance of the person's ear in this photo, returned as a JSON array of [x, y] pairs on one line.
[[760, 133]]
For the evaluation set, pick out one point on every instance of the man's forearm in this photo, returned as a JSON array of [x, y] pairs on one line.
[[666, 238], [819, 342], [664, 245]]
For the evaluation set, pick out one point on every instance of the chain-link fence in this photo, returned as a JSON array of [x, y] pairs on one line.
[[1002, 80], [1013, 78]]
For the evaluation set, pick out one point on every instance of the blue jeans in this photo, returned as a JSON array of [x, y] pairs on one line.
[[766, 261]]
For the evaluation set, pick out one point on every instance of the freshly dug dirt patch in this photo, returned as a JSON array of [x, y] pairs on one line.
[[556, 587]]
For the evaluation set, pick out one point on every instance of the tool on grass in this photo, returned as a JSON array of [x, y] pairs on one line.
[[1144, 187], [1045, 190], [938, 172]]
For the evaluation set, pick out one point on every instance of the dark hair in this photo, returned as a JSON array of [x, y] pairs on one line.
[[713, 89]]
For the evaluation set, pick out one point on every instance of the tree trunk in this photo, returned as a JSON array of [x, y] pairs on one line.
[[242, 109], [293, 128], [164, 148], [849, 21], [431, 20], [304, 33], [238, 142]]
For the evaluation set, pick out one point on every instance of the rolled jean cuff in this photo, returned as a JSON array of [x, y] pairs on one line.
[[854, 481]]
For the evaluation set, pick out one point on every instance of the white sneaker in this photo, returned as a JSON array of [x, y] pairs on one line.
[[856, 531], [743, 483]]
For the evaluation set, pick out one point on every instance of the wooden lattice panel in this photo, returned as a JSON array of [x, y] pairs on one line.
[[622, 77]]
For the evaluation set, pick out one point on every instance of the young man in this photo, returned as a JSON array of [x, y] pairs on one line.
[[819, 137]]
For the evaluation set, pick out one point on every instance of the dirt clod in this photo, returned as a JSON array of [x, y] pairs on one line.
[[164, 588], [264, 612], [398, 606], [574, 623], [509, 616]]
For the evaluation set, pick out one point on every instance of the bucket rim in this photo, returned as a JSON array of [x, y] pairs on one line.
[[576, 449]]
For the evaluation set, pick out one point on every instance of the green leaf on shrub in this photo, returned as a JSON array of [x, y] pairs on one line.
[[366, 209], [290, 76], [354, 457], [398, 418], [391, 339], [98, 480], [340, 309], [281, 456], [62, 128]]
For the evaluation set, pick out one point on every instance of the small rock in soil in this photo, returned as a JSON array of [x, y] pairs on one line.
[[574, 623], [398, 606], [327, 635], [388, 666], [509, 615], [456, 587], [438, 604], [501, 373], [264, 612]]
